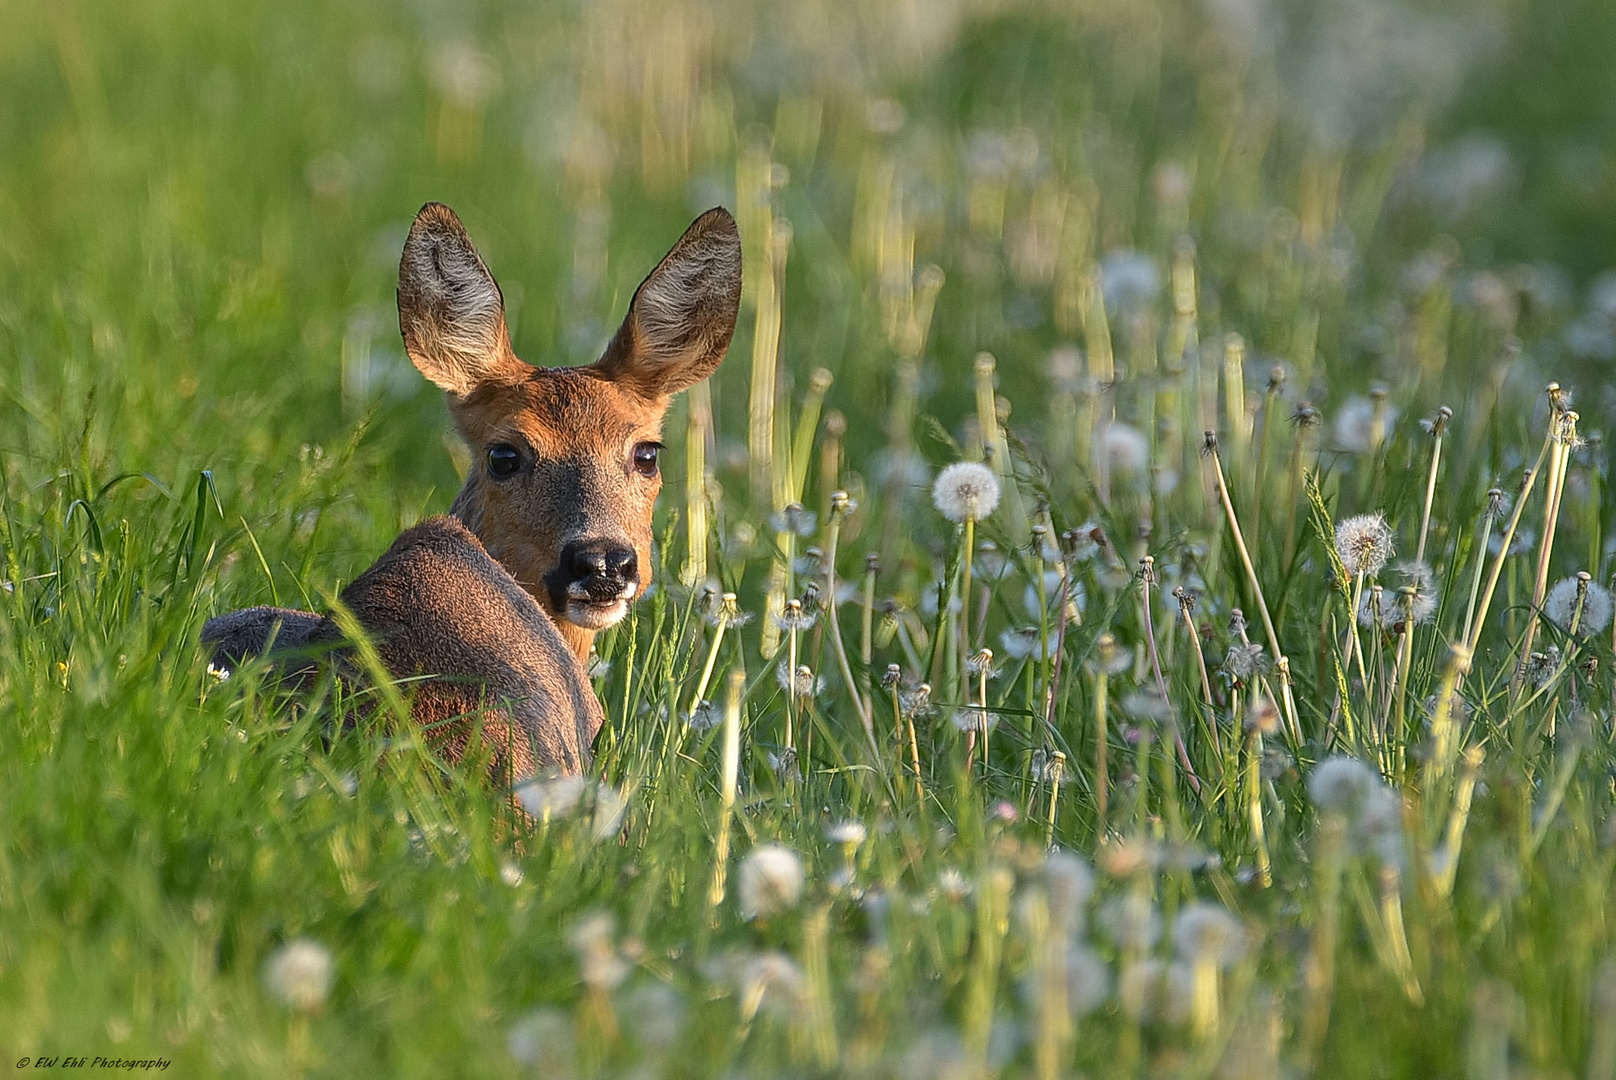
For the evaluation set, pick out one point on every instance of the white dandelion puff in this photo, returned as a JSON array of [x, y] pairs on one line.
[[966, 491], [847, 833], [1127, 451], [599, 964], [543, 1038], [771, 980], [299, 974], [1341, 785], [1207, 932], [1088, 980], [1365, 543], [771, 881], [1069, 881], [1131, 921], [1560, 605]]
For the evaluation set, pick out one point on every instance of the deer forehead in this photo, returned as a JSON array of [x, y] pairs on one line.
[[563, 413]]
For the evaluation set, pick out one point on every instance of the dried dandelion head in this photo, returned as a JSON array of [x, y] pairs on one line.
[[966, 491], [1365, 543]]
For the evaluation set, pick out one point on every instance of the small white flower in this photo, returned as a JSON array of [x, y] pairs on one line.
[[1560, 605], [1205, 931], [771, 881], [966, 491], [1365, 543], [299, 974]]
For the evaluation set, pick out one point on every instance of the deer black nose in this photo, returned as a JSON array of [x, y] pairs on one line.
[[602, 566]]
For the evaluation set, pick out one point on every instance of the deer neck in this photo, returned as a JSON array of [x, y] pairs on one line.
[[468, 511]]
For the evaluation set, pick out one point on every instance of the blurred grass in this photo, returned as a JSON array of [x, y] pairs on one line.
[[202, 209]]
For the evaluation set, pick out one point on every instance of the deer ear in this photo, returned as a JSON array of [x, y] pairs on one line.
[[449, 309], [683, 314]]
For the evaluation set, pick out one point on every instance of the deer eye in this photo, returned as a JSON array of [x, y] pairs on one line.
[[503, 460], [645, 457]]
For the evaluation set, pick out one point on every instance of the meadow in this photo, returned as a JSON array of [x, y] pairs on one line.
[[1242, 706]]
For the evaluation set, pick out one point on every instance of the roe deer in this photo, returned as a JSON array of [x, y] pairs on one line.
[[549, 540]]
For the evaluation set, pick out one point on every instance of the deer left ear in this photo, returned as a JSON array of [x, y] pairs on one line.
[[683, 314]]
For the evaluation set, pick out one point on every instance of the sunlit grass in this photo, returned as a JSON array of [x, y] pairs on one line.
[[1154, 763]]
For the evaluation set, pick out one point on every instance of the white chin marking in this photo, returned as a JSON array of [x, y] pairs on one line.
[[596, 616]]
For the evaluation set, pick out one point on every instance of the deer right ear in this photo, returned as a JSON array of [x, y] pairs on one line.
[[683, 314], [449, 309]]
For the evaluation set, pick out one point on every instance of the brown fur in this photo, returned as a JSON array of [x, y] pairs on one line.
[[491, 602]]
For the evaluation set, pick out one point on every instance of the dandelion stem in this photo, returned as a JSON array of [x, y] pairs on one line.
[[1147, 576], [1564, 433], [839, 506], [732, 767], [1256, 586], [1528, 481], [726, 608]]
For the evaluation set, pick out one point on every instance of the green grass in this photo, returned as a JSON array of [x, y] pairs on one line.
[[204, 405]]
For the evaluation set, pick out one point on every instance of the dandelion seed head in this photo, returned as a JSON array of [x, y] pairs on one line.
[[1207, 932], [1341, 784], [705, 716], [1069, 882], [775, 981], [1131, 922], [802, 683], [1127, 451], [1365, 543], [559, 797], [591, 941], [1361, 424], [1246, 660], [847, 833], [1021, 643], [1083, 543], [771, 881], [659, 1015], [544, 1039], [795, 519], [1541, 667], [795, 616], [1088, 981], [966, 491], [299, 974], [952, 884], [1560, 605]]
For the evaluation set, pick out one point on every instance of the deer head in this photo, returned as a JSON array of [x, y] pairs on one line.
[[564, 471]]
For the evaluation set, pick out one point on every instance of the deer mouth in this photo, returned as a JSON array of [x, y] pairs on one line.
[[597, 609]]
